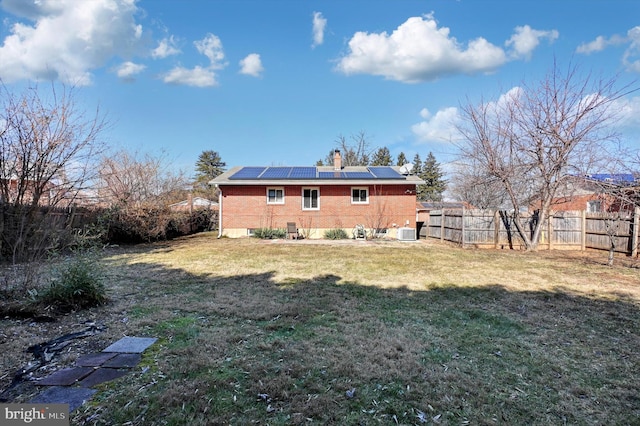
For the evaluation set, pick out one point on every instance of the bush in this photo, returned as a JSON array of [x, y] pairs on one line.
[[152, 223], [269, 233], [335, 234], [76, 284]]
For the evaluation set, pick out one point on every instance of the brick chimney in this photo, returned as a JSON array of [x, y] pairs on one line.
[[337, 160]]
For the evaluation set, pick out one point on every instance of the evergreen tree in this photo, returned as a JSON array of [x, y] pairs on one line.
[[382, 157], [208, 166], [435, 184], [417, 165], [402, 159]]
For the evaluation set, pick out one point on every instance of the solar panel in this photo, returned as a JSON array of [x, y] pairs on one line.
[[303, 173], [330, 175], [358, 175], [378, 172], [385, 172], [248, 173], [276, 173]]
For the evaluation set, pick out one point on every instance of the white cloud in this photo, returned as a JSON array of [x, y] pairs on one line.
[[629, 112], [197, 77], [67, 39], [526, 39], [599, 44], [418, 51], [129, 69], [440, 127], [32, 9], [166, 47], [631, 58], [211, 47], [251, 65], [443, 126], [319, 24]]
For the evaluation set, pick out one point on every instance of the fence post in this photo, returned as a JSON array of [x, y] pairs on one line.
[[550, 229], [583, 237], [1, 225], [442, 226], [462, 226], [634, 232], [496, 229]]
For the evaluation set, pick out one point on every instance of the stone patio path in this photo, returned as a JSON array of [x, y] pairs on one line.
[[73, 385]]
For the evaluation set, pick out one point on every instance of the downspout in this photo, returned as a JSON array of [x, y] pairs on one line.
[[219, 211]]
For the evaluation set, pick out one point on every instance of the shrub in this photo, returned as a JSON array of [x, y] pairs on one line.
[[270, 233], [152, 223], [75, 284], [335, 234]]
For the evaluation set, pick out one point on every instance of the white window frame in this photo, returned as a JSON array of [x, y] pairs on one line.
[[314, 188], [360, 188], [276, 200]]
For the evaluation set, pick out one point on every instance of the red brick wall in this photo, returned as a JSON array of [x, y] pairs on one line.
[[577, 202], [245, 207]]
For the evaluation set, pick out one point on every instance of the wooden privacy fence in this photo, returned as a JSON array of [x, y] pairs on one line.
[[567, 230]]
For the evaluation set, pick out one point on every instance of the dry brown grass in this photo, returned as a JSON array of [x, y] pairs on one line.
[[277, 332]]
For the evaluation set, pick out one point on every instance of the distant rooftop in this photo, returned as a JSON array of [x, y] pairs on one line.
[[617, 178]]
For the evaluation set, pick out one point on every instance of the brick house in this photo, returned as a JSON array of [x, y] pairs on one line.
[[316, 199], [595, 193]]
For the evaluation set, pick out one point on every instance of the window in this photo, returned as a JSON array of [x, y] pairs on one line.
[[594, 206], [275, 196], [310, 199], [359, 195]]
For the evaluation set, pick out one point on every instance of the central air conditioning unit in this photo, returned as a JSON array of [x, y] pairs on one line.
[[406, 234]]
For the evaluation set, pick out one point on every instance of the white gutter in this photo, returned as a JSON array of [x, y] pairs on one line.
[[219, 211]]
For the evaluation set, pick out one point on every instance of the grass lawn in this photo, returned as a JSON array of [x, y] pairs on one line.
[[359, 333]]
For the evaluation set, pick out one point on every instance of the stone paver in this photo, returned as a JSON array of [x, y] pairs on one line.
[[123, 361], [131, 345], [95, 360], [102, 375], [65, 377], [73, 396], [72, 385]]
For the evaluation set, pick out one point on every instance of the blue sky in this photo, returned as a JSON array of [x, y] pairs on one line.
[[277, 82]]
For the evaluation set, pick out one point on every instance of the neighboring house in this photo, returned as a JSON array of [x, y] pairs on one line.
[[316, 199], [193, 203], [15, 191], [595, 193]]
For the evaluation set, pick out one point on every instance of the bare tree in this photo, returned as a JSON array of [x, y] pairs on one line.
[[475, 186], [133, 181], [354, 153], [47, 150], [618, 198], [138, 190], [539, 135], [378, 218]]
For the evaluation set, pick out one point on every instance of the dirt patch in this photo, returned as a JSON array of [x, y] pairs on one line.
[[17, 335]]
